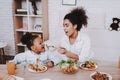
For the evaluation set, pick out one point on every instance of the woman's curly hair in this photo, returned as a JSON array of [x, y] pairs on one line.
[[77, 17]]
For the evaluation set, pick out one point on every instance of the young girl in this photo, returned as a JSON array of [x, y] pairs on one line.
[[35, 53]]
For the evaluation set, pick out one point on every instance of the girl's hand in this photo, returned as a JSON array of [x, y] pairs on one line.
[[62, 50], [50, 64]]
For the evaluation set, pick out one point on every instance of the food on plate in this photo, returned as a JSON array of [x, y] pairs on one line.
[[100, 76], [90, 65], [69, 66], [37, 67]]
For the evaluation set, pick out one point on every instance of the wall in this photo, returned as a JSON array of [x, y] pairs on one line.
[[6, 26], [105, 43]]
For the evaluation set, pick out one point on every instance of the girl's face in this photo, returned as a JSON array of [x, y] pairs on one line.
[[69, 28], [38, 45]]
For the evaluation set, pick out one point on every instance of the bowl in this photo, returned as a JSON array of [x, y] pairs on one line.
[[69, 66]]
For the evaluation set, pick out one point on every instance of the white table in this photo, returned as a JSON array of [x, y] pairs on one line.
[[55, 73]]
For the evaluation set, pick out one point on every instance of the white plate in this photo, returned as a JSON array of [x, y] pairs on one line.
[[87, 68], [110, 77], [31, 70], [45, 79]]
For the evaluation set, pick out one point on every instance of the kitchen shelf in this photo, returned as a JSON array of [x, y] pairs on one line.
[[25, 20]]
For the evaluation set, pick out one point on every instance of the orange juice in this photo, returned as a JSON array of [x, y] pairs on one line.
[[11, 68], [119, 62], [0, 78]]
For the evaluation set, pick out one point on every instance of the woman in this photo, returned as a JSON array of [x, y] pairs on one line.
[[75, 45]]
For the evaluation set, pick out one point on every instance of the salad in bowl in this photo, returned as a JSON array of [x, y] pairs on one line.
[[68, 66]]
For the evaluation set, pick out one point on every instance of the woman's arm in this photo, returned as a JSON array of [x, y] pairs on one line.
[[68, 53]]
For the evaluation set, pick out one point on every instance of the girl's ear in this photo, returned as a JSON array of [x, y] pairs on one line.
[[33, 48]]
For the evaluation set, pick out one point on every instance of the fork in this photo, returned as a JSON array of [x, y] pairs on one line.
[[24, 69], [50, 46]]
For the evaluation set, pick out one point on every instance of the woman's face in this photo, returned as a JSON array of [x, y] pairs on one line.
[[69, 28], [38, 45]]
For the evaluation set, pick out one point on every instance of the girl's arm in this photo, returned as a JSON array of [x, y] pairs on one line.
[[19, 58]]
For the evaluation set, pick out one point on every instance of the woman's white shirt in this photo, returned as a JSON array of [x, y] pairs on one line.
[[81, 46]]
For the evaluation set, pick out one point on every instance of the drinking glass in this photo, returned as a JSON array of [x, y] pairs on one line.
[[11, 68]]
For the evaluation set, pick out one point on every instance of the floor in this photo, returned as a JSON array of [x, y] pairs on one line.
[[5, 58]]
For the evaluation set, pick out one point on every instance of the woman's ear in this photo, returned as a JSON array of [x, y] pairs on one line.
[[75, 26]]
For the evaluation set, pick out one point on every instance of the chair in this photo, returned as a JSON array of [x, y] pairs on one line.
[[2, 52]]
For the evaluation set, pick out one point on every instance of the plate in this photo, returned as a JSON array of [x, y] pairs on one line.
[[40, 69], [108, 75], [85, 68], [45, 79]]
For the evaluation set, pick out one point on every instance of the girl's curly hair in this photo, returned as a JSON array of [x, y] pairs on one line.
[[28, 39]]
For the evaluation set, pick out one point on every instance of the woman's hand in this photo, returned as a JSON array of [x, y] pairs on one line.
[[50, 64], [62, 50], [68, 53]]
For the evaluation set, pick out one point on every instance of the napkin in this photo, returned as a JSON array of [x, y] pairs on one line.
[[5, 76], [17, 78]]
